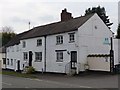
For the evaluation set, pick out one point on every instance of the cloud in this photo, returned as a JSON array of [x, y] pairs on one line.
[[17, 13]]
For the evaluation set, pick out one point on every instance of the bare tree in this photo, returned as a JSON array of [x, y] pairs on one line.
[[7, 29], [6, 35]]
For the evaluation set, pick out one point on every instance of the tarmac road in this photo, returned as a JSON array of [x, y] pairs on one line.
[[61, 81]]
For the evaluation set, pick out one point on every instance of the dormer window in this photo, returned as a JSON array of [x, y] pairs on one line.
[[59, 39]]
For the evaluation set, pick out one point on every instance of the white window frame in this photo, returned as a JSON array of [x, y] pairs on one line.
[[25, 56], [59, 39], [8, 62], [71, 37], [59, 56], [39, 42], [11, 62], [38, 56]]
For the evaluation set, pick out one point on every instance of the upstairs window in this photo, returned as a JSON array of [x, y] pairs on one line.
[[59, 39], [71, 37], [24, 44], [38, 56], [39, 42], [25, 55], [59, 56]]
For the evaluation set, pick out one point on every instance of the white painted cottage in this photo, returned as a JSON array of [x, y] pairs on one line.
[[54, 47]]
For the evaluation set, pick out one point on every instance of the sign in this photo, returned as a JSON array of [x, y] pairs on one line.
[[106, 41]]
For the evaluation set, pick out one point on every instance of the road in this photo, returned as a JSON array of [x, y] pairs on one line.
[[62, 81]]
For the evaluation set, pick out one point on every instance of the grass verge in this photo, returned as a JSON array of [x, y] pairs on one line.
[[17, 74]]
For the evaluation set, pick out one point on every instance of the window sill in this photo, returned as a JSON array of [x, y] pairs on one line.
[[59, 61], [71, 41], [59, 43], [39, 45], [37, 61]]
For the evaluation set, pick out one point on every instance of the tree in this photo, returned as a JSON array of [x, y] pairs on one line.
[[101, 13], [7, 34], [118, 32]]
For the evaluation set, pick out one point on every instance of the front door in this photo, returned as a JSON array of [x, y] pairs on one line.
[[73, 59], [18, 65], [30, 58]]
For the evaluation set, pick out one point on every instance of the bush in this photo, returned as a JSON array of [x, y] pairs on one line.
[[30, 70]]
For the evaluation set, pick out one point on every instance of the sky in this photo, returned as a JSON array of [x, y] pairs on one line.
[[17, 13]]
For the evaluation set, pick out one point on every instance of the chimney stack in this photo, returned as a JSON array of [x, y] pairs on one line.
[[66, 15]]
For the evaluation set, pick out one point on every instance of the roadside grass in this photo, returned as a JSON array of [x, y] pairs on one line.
[[18, 74]]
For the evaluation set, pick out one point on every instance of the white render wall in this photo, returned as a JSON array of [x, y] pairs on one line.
[[98, 64], [91, 40], [31, 45], [88, 40], [14, 52], [52, 65]]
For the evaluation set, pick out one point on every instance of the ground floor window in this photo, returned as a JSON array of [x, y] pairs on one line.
[[4, 60], [11, 62], [25, 55], [38, 56], [59, 56]]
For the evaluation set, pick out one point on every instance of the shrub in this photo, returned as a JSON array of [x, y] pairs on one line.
[[30, 70]]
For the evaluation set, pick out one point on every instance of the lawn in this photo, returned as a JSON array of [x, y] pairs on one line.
[[18, 74]]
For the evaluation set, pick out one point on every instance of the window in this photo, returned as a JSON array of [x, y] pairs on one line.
[[38, 56], [7, 61], [39, 42], [59, 39], [11, 62], [71, 37], [59, 56], [25, 55], [17, 48], [4, 60], [24, 44]]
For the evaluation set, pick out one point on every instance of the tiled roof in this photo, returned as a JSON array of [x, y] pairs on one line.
[[50, 29], [58, 27]]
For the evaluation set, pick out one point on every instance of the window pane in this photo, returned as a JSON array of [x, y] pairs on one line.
[[59, 56], [25, 55], [59, 39], [71, 37], [38, 56]]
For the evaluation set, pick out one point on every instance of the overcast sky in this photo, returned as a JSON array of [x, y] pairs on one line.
[[17, 13]]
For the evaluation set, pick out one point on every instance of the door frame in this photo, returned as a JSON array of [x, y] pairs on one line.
[[30, 58], [73, 62]]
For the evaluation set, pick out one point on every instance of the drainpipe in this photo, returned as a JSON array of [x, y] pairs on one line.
[[45, 55], [111, 57]]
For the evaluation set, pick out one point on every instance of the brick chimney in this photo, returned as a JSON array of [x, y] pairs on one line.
[[66, 15]]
